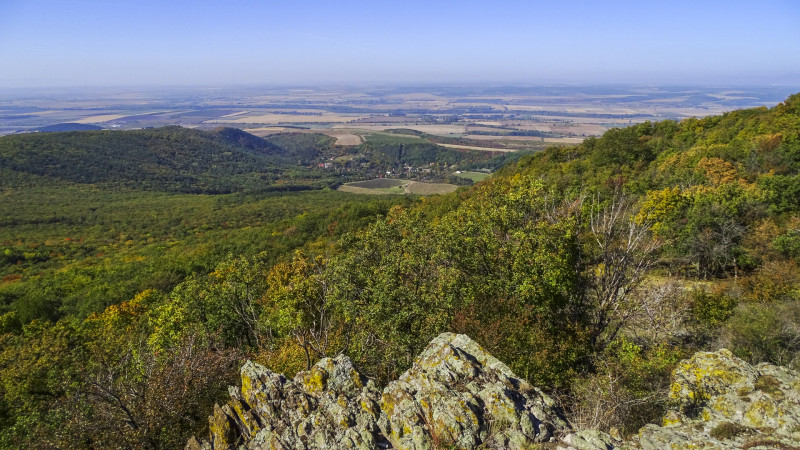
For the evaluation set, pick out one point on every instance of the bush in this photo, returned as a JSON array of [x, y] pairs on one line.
[[727, 430], [627, 390], [764, 333], [775, 281], [788, 243], [709, 310]]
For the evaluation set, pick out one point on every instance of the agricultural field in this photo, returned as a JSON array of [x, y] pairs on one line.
[[474, 176], [474, 147], [378, 186], [389, 138], [421, 188], [567, 114], [386, 186]]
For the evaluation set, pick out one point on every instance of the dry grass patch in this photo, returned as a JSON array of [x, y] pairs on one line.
[[385, 186], [485, 149], [100, 118], [420, 188]]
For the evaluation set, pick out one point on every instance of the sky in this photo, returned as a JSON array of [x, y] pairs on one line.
[[241, 42]]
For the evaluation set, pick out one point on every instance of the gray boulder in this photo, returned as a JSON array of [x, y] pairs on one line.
[[456, 395]]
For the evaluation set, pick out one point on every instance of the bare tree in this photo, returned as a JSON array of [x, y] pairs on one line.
[[140, 399], [624, 253], [660, 312]]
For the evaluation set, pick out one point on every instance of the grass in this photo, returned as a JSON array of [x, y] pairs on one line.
[[474, 176], [389, 138], [378, 186], [384, 186]]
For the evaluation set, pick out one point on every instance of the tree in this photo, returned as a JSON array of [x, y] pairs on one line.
[[298, 304], [225, 301], [621, 254], [513, 256]]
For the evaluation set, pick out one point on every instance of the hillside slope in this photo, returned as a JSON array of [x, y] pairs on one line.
[[168, 159], [591, 271]]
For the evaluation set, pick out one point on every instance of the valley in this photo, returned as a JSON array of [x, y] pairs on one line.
[[144, 266]]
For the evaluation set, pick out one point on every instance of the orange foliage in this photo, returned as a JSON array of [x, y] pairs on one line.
[[768, 142], [13, 278], [718, 171], [775, 281]]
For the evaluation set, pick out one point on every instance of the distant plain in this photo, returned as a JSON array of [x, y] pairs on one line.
[[474, 117]]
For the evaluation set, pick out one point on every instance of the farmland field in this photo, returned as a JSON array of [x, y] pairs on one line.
[[568, 115], [100, 118], [390, 138], [474, 176], [384, 186], [472, 147], [420, 188], [378, 186], [344, 137]]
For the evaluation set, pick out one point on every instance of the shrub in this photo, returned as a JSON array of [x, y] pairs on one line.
[[627, 390], [709, 310], [764, 332], [727, 430]]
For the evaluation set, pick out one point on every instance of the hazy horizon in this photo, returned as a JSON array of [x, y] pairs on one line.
[[48, 43]]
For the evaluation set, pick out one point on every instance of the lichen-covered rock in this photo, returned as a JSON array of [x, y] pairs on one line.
[[329, 406], [456, 394], [589, 440], [721, 401]]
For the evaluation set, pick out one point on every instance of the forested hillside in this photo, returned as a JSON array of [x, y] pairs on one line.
[[169, 159], [589, 270]]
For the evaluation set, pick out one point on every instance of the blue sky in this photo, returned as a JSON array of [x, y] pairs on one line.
[[120, 42]]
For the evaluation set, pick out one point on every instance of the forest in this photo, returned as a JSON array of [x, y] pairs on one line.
[[140, 270]]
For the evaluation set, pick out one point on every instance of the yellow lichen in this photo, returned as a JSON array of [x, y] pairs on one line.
[[315, 380], [761, 410], [671, 418], [387, 404]]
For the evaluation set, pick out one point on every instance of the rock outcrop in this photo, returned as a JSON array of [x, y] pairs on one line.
[[329, 406], [455, 394], [721, 401], [717, 401]]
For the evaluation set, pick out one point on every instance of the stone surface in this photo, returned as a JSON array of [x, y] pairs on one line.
[[329, 406], [457, 395], [721, 401], [589, 440]]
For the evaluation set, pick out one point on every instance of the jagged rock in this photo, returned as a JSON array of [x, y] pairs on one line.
[[589, 440], [721, 401], [456, 394], [329, 406]]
